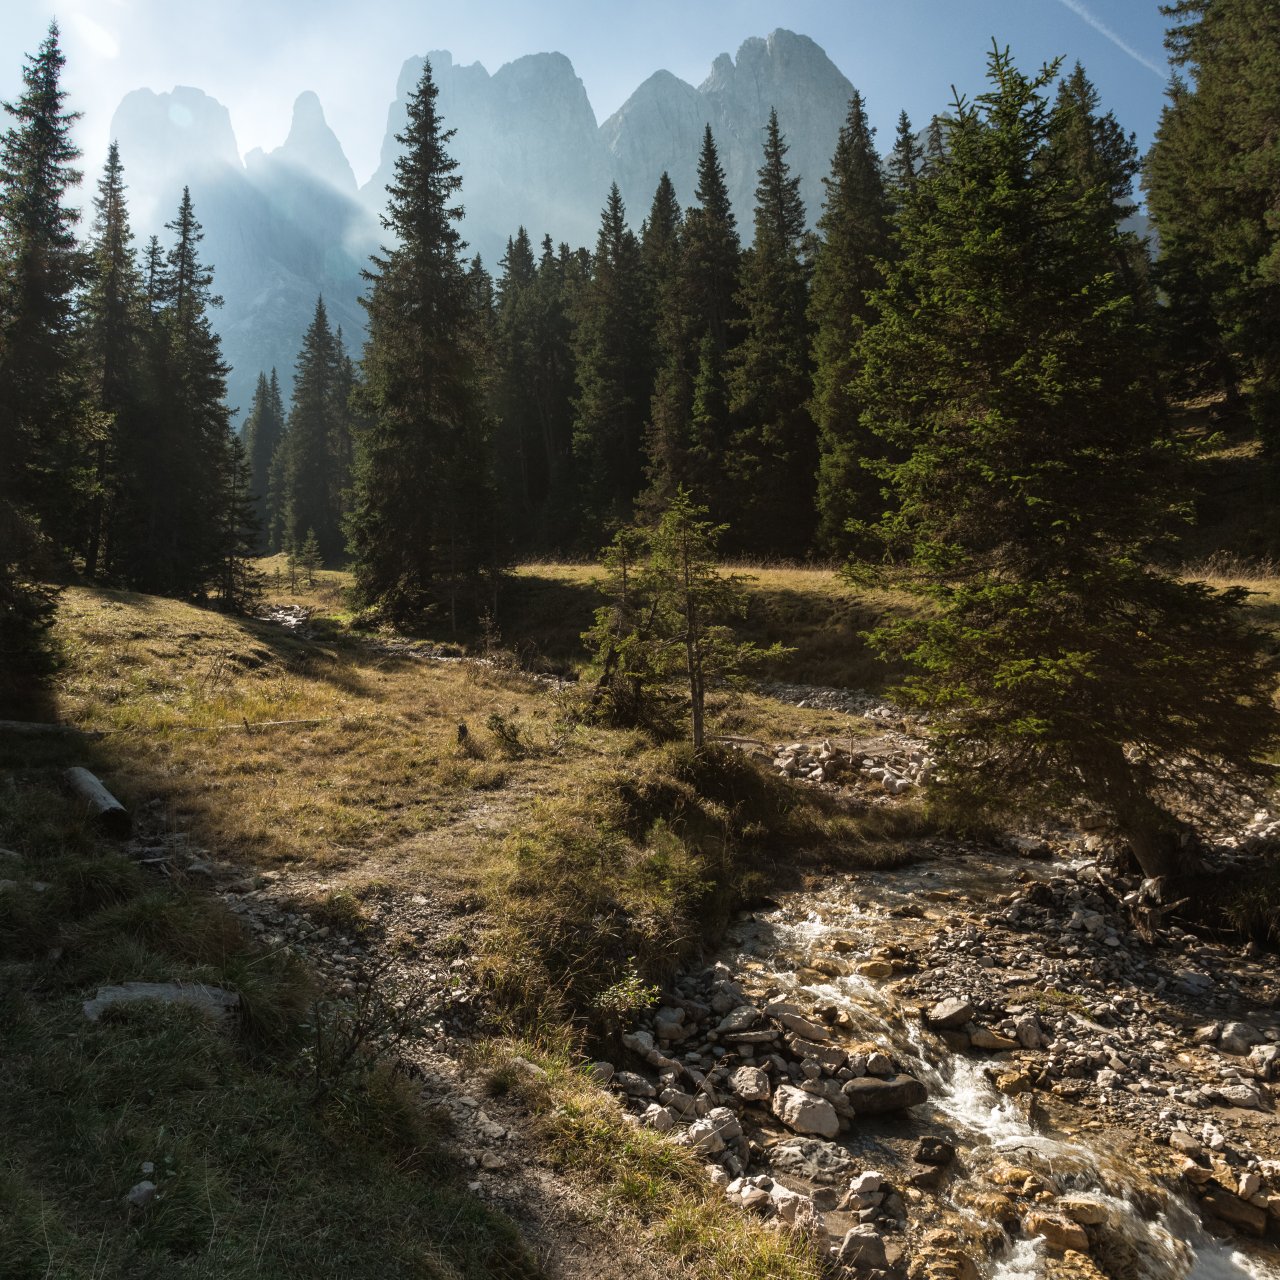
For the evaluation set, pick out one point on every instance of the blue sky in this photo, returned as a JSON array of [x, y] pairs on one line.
[[256, 56]]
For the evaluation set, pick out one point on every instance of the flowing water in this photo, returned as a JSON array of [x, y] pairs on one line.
[[1150, 1232]]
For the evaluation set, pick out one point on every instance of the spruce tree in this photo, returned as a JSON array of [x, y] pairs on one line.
[[238, 582], [712, 251], [614, 369], [1213, 187], [41, 268], [667, 433], [314, 452], [552, 389], [772, 458], [852, 240], [174, 474], [263, 431], [112, 324], [519, 465], [711, 267], [421, 530], [1009, 363], [903, 165]]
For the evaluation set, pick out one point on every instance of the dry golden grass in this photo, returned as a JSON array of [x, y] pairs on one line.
[[382, 772]]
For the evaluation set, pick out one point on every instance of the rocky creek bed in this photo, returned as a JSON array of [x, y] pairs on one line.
[[975, 1066]]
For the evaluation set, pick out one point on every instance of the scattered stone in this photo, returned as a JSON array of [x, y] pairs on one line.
[[1058, 1232], [934, 1151], [213, 1002], [950, 1014], [810, 1158], [750, 1084], [635, 1085], [871, 1096], [1239, 1037], [984, 1038], [863, 1247], [141, 1194], [791, 1018], [805, 1113]]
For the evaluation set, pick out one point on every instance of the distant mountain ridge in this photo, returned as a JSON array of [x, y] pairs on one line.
[[285, 225]]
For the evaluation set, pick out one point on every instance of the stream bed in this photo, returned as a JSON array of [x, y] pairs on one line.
[[1089, 1126]]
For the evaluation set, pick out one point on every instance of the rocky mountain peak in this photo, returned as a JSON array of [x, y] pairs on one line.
[[314, 147]]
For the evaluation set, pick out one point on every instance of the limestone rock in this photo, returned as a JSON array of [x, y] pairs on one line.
[[863, 1247], [1057, 1231], [213, 1002], [810, 1158], [804, 1113], [750, 1084], [950, 1014], [871, 1096]]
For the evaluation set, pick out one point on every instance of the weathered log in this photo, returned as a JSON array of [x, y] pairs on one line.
[[42, 729], [108, 814]]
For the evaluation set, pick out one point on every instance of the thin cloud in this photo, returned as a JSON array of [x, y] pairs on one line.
[[1102, 29]]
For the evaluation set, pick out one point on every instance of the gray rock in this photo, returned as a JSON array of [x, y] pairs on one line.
[[870, 1096], [879, 1064], [1239, 1037], [1027, 1029], [863, 1247], [213, 1002], [795, 1021], [702, 1138], [743, 1018], [601, 1072], [811, 1158], [750, 1084], [805, 1113], [635, 1085], [950, 1014], [140, 1194]]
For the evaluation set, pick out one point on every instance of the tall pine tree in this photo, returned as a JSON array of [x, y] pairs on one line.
[[773, 455], [614, 359], [315, 462], [41, 267], [112, 322], [422, 528], [853, 239], [263, 430], [1009, 364], [1213, 190]]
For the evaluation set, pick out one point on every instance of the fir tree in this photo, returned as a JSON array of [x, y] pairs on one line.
[[667, 434], [239, 583], [903, 165], [518, 464], [171, 539], [613, 344], [1009, 364], [773, 455], [112, 320], [41, 268], [314, 449], [263, 431], [853, 239], [712, 252], [422, 523], [1213, 186]]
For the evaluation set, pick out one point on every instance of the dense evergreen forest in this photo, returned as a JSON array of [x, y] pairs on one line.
[[830, 392]]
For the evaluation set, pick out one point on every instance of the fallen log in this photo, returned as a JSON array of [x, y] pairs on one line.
[[107, 813], [41, 729]]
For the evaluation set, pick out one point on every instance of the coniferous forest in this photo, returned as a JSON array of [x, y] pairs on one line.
[[962, 374], [576, 389]]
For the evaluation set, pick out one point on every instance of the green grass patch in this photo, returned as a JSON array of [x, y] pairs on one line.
[[257, 1173]]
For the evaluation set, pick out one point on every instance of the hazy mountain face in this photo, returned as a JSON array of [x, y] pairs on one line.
[[286, 225]]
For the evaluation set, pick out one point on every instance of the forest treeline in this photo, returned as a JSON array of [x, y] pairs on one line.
[[535, 411]]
